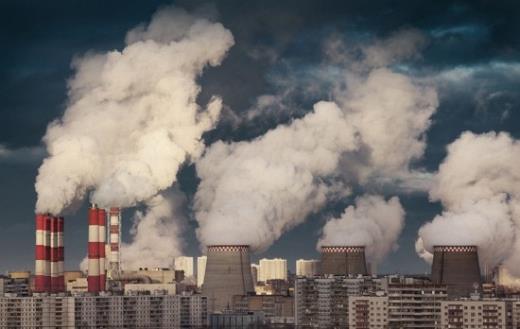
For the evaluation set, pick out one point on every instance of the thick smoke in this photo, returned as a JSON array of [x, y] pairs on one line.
[[479, 186], [156, 233], [252, 192], [132, 119], [372, 222]]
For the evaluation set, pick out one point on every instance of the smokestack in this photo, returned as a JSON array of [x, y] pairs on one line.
[[115, 242], [57, 283], [93, 250], [228, 273], [102, 215], [42, 279], [343, 260], [458, 268], [61, 255]]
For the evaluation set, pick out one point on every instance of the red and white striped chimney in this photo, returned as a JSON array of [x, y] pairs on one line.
[[102, 241], [59, 284], [115, 224], [93, 250], [42, 254]]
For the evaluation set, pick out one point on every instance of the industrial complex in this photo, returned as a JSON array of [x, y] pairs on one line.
[[226, 290]]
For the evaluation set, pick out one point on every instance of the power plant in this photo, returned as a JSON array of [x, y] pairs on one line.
[[228, 273], [343, 260], [458, 268], [49, 254]]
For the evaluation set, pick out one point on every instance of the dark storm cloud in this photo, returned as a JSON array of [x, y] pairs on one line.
[[472, 55]]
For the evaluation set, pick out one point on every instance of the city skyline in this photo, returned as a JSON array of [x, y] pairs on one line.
[[285, 82]]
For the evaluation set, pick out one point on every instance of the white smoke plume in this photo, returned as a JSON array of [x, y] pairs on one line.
[[156, 233], [479, 186], [252, 192], [373, 222], [132, 119]]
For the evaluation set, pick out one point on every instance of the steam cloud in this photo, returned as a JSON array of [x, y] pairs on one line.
[[132, 119], [252, 192], [156, 233], [479, 186], [372, 222]]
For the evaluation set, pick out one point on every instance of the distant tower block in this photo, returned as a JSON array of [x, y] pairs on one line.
[[114, 267], [343, 260], [228, 273], [457, 267]]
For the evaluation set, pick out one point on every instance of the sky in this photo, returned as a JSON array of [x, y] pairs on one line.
[[471, 53]]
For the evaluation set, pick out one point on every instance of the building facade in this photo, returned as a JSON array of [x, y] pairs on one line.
[[201, 269], [367, 312], [473, 314], [185, 264], [139, 311], [307, 267], [272, 269]]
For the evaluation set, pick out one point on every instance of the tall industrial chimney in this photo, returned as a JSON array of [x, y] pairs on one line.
[[93, 250], [49, 254], [42, 266], [458, 268], [343, 260], [114, 267], [228, 273], [56, 255], [102, 215]]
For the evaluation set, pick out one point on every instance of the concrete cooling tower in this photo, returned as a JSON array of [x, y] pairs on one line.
[[456, 267], [343, 260], [228, 273]]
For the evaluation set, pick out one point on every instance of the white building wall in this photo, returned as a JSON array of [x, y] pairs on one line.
[[185, 264], [307, 267], [201, 269], [272, 269]]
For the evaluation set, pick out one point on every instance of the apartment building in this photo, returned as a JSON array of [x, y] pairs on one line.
[[140, 311], [322, 302], [368, 312], [490, 314], [415, 305]]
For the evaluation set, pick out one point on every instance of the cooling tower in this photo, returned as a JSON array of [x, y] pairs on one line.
[[228, 273], [456, 267], [343, 260]]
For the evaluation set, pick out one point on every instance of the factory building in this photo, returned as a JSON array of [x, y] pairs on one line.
[[272, 269], [307, 267], [458, 268], [367, 312], [228, 273], [473, 314], [141, 311], [201, 270], [343, 260]]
